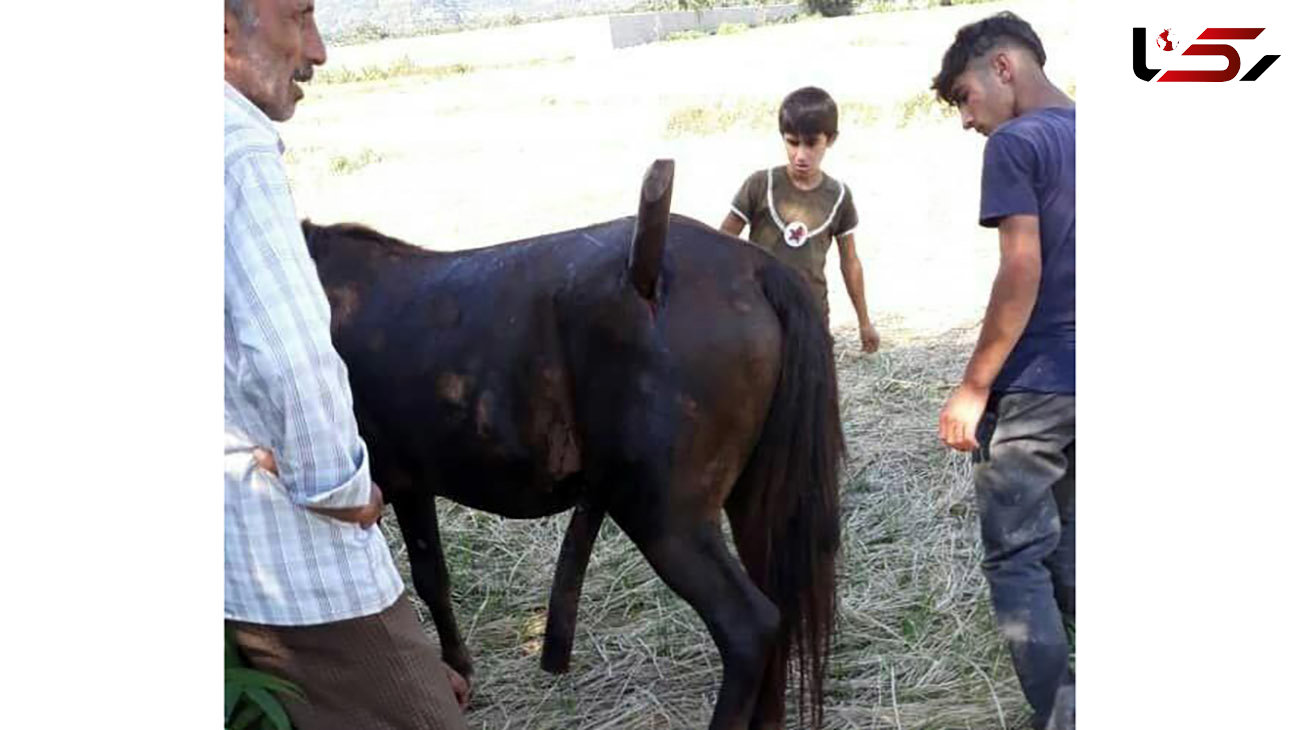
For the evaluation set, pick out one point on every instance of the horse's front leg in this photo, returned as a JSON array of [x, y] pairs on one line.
[[562, 613], [418, 517]]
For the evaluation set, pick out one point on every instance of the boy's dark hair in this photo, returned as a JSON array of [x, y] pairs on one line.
[[808, 112], [979, 38]]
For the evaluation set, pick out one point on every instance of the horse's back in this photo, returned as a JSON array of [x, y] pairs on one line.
[[501, 375]]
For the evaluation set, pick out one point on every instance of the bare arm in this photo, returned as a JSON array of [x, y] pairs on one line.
[[732, 224], [1015, 291], [851, 270]]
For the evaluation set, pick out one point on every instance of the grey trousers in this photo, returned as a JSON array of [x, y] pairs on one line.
[[1024, 484]]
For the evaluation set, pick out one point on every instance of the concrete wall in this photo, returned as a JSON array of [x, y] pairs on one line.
[[399, 18], [394, 17], [578, 38], [636, 28]]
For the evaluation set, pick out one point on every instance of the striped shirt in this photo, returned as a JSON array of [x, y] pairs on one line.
[[287, 390]]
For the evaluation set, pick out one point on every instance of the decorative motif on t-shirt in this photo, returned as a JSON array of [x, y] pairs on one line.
[[796, 232]]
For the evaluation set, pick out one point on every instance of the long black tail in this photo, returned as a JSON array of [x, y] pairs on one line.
[[794, 473]]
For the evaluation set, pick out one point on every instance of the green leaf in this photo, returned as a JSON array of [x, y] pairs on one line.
[[249, 678], [271, 706], [246, 717], [233, 693]]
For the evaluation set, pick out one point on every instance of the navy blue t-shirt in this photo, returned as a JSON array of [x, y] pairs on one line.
[[1029, 169]]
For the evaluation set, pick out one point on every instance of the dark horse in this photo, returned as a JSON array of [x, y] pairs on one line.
[[649, 368]]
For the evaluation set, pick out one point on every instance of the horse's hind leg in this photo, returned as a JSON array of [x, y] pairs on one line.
[[562, 613], [694, 561], [418, 517]]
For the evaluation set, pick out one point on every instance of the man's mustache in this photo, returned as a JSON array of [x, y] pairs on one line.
[[304, 74]]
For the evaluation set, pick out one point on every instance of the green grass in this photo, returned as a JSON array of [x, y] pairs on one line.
[[859, 114], [685, 35], [722, 116], [923, 107], [732, 28], [885, 7], [756, 114], [299, 153], [402, 67], [348, 164]]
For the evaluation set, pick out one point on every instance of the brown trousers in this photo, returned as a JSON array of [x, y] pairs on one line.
[[376, 672]]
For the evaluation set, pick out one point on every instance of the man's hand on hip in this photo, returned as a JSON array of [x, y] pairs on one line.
[[365, 515]]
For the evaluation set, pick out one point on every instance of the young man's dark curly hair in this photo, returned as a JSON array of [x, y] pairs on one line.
[[977, 39]]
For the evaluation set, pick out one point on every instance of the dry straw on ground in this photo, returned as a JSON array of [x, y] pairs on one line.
[[914, 646]]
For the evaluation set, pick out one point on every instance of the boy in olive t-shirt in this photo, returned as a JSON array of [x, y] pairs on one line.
[[794, 211]]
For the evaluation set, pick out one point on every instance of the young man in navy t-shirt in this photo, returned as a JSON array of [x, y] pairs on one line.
[[1015, 405]]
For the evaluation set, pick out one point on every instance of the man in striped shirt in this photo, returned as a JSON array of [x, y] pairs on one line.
[[311, 592]]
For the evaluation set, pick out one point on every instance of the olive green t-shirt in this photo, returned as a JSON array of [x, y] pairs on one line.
[[795, 225]]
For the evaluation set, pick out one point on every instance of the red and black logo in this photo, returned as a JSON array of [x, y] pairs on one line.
[[1166, 42]]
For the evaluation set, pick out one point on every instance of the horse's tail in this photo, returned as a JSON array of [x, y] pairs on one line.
[[651, 233], [791, 483]]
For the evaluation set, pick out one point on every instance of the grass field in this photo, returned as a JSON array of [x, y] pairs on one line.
[[460, 142]]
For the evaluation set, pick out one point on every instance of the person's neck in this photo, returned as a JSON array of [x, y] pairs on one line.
[[810, 183], [1042, 95]]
